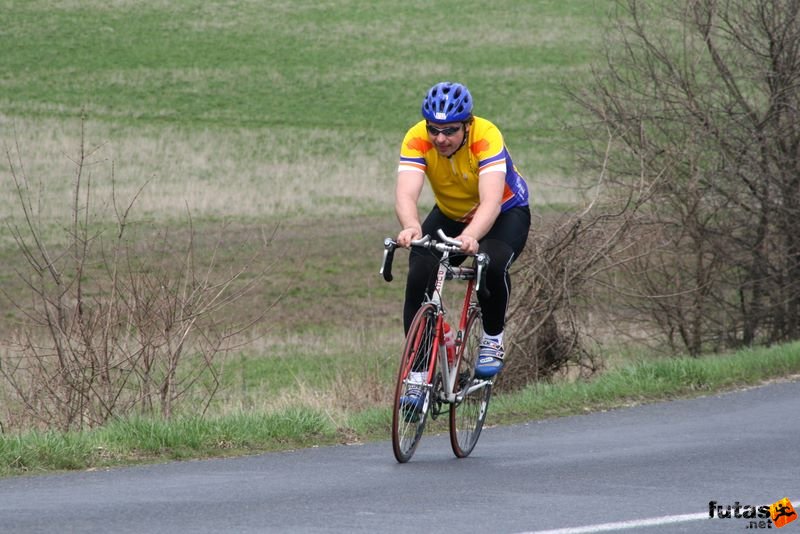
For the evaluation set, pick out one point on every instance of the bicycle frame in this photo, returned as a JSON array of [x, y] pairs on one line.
[[449, 369], [445, 382], [446, 272]]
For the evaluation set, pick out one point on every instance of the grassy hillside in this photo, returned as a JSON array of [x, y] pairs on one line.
[[259, 107], [272, 120], [342, 65], [268, 115], [281, 121]]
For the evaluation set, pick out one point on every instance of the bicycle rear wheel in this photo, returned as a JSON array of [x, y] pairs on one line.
[[467, 416], [408, 424]]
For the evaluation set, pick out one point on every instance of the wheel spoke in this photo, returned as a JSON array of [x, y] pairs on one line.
[[407, 423], [467, 417]]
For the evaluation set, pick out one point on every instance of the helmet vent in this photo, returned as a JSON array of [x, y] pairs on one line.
[[447, 102]]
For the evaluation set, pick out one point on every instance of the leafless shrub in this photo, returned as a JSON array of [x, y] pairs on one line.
[[554, 279], [113, 322]]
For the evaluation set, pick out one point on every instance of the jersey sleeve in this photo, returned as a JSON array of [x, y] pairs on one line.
[[412, 152], [489, 149]]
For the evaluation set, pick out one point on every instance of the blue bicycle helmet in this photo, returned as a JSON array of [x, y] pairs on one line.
[[447, 102]]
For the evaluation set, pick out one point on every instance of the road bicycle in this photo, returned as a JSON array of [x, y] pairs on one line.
[[449, 371]]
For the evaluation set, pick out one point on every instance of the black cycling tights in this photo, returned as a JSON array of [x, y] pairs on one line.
[[503, 243]]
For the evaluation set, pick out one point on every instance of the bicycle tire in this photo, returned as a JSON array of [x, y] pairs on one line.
[[408, 426], [467, 417]]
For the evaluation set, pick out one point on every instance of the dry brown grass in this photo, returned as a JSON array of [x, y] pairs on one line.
[[230, 173]]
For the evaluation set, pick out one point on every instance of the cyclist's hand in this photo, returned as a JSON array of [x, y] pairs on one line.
[[407, 235], [468, 243]]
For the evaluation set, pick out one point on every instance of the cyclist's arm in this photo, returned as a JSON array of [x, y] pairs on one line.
[[491, 186], [407, 193]]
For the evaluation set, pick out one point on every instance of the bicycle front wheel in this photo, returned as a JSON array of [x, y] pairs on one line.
[[408, 421], [467, 416]]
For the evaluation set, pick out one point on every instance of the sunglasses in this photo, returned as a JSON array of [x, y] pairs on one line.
[[448, 132]]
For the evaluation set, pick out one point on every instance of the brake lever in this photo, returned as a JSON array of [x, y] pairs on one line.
[[389, 246], [482, 260]]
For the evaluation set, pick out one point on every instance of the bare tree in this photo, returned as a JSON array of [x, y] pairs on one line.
[[114, 323], [556, 280], [703, 96]]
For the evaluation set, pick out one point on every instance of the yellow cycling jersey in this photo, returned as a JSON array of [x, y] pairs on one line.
[[454, 180]]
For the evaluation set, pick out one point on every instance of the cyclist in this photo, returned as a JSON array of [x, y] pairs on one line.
[[481, 199]]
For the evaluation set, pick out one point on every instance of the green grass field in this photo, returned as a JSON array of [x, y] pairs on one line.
[[275, 108], [267, 113], [246, 431], [274, 116], [285, 119]]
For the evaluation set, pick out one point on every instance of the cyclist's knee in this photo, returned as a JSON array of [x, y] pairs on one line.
[[501, 255]]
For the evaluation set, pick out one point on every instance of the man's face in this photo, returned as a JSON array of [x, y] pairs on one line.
[[446, 137]]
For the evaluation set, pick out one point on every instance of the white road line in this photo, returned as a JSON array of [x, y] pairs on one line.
[[622, 525], [634, 523]]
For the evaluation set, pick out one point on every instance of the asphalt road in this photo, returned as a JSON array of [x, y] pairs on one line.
[[650, 469]]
